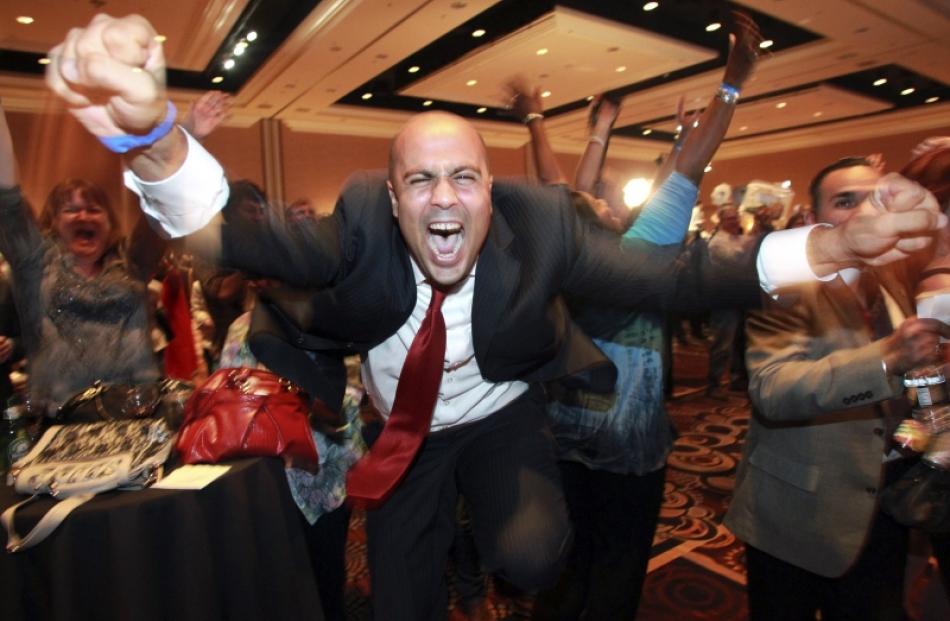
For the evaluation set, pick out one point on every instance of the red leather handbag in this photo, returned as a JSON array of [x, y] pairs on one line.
[[247, 412]]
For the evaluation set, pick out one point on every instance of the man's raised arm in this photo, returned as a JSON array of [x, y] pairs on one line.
[[906, 220], [111, 76]]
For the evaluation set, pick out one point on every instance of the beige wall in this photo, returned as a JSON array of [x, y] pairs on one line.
[[50, 148], [317, 165], [53, 147], [800, 165], [239, 151]]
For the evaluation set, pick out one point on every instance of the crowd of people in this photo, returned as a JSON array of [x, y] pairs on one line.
[[512, 338]]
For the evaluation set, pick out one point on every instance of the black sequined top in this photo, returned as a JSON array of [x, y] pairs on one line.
[[75, 330]]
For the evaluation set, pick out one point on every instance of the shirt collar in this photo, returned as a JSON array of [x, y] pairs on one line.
[[850, 276]]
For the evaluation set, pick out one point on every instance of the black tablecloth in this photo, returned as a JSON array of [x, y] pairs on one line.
[[234, 550]]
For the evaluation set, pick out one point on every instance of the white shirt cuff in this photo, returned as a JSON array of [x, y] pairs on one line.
[[783, 260], [187, 200]]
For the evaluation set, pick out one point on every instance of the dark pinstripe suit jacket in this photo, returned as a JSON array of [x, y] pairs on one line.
[[536, 249]]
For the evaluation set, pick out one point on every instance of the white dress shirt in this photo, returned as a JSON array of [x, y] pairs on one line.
[[464, 395]]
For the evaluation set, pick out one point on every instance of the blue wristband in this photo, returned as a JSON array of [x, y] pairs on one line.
[[727, 93], [127, 142]]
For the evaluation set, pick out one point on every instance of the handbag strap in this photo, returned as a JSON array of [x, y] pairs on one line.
[[47, 524]]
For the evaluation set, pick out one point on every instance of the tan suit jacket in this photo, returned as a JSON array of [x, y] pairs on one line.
[[807, 487]]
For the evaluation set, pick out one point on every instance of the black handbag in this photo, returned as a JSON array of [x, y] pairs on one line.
[[920, 498], [107, 402]]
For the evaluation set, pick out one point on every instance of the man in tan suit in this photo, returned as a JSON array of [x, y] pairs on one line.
[[825, 382]]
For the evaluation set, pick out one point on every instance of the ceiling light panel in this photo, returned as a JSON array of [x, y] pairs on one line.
[[802, 108], [577, 61]]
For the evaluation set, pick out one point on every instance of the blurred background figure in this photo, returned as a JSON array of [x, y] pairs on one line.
[[301, 210], [80, 291]]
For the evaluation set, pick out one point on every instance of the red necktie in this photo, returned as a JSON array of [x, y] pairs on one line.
[[376, 475]]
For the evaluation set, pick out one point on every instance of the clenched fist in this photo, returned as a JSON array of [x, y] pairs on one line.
[[111, 75]]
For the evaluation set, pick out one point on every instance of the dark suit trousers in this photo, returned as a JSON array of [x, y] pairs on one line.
[[326, 543], [504, 465], [872, 590], [614, 517]]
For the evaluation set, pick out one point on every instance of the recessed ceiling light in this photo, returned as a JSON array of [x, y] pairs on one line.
[[239, 48], [46, 61], [546, 94], [367, 96], [743, 128], [781, 104], [766, 44], [649, 6], [708, 168], [481, 110], [251, 36], [427, 103], [713, 27], [414, 69], [24, 19], [161, 38], [217, 79], [590, 98], [818, 114], [478, 33], [647, 132], [932, 99], [880, 82], [908, 91], [471, 83], [620, 69], [542, 51], [229, 63]]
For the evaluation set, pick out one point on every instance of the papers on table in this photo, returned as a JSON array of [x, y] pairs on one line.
[[191, 477]]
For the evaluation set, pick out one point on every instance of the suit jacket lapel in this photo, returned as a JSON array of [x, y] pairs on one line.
[[497, 276]]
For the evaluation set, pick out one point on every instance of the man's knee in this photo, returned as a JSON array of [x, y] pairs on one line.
[[531, 556]]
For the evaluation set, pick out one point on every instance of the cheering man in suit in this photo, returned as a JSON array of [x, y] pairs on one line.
[[826, 382], [451, 281]]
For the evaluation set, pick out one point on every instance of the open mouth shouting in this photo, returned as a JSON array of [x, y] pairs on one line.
[[445, 241], [86, 239]]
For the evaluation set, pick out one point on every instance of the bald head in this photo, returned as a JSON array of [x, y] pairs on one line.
[[433, 124], [440, 188]]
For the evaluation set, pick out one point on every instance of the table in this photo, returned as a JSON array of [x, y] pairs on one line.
[[234, 550]]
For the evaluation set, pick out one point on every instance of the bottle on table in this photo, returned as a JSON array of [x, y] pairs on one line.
[[932, 412], [14, 439]]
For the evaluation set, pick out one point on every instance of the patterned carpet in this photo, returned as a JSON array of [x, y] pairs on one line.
[[696, 570]]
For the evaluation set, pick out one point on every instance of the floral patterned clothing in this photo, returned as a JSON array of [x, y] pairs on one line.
[[320, 493]]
